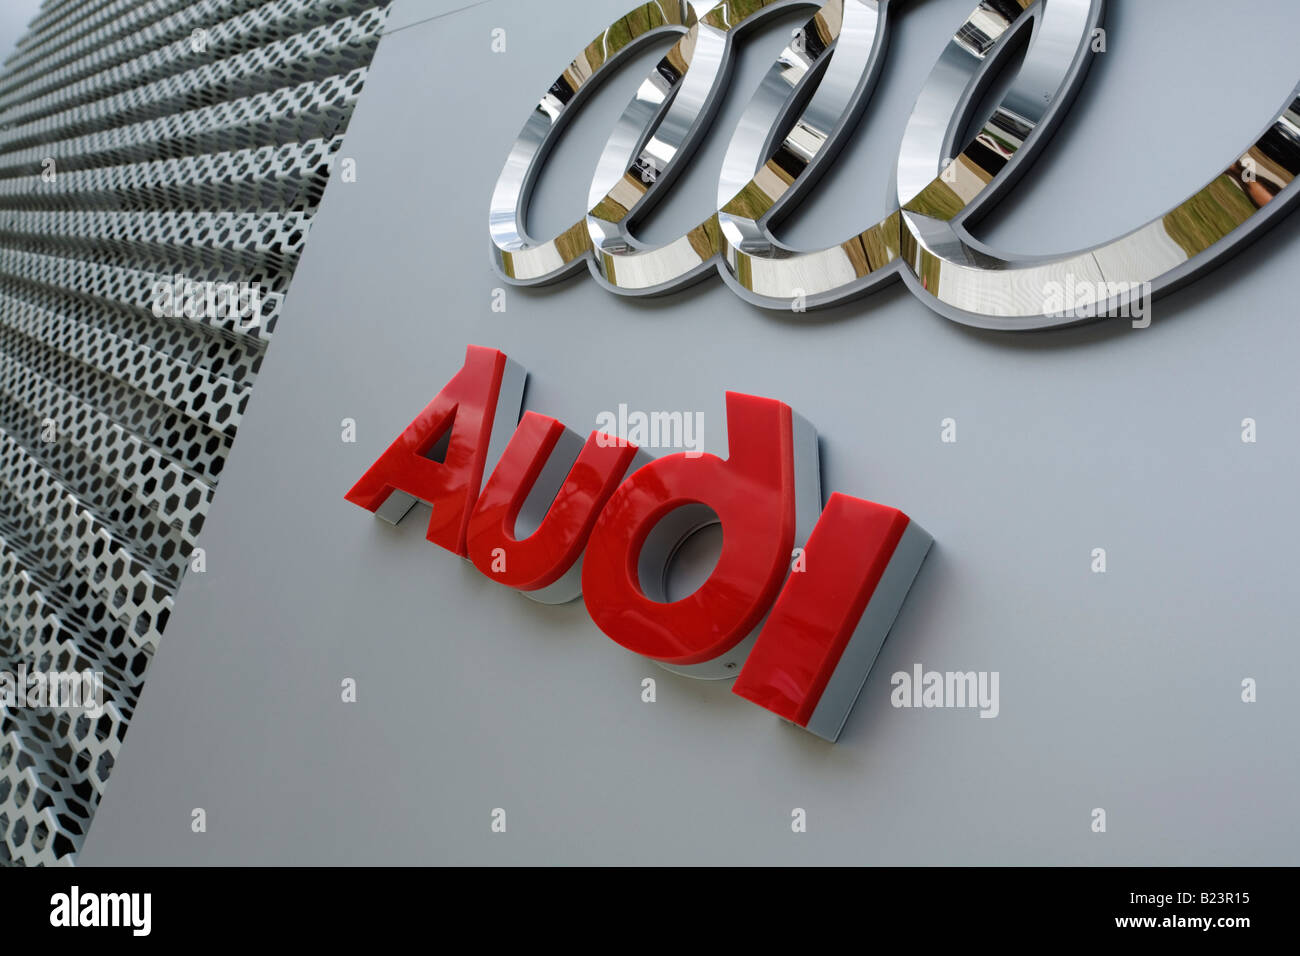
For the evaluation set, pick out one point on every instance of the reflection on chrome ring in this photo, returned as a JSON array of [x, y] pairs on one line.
[[797, 122]]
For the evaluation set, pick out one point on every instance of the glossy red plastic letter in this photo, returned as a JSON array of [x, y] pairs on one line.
[[753, 494], [540, 560], [831, 619], [467, 406]]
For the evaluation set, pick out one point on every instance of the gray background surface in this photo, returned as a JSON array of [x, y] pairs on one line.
[[1119, 691], [15, 15]]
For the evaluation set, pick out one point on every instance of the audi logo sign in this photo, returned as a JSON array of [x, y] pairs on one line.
[[800, 600], [787, 138], [802, 597]]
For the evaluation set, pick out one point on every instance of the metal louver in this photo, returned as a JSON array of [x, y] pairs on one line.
[[140, 140]]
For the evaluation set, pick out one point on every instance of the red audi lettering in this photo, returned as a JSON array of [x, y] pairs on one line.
[[753, 494], [539, 562], [833, 615], [467, 408], [832, 602]]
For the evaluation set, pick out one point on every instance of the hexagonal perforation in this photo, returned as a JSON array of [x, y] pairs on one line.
[[115, 418]]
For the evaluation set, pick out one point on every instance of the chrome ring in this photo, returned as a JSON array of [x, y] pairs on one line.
[[697, 68], [517, 256], [971, 283], [925, 240], [767, 273]]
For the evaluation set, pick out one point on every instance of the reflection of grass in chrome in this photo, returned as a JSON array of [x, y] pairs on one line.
[[1208, 216], [927, 266], [938, 201], [574, 241], [640, 21], [883, 242], [752, 201], [610, 209], [706, 238], [726, 15]]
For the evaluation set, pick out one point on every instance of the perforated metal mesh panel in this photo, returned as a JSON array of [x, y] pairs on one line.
[[133, 151]]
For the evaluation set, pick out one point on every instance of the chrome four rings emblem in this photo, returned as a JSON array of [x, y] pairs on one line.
[[788, 136]]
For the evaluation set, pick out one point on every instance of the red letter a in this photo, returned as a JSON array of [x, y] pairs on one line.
[[476, 412]]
